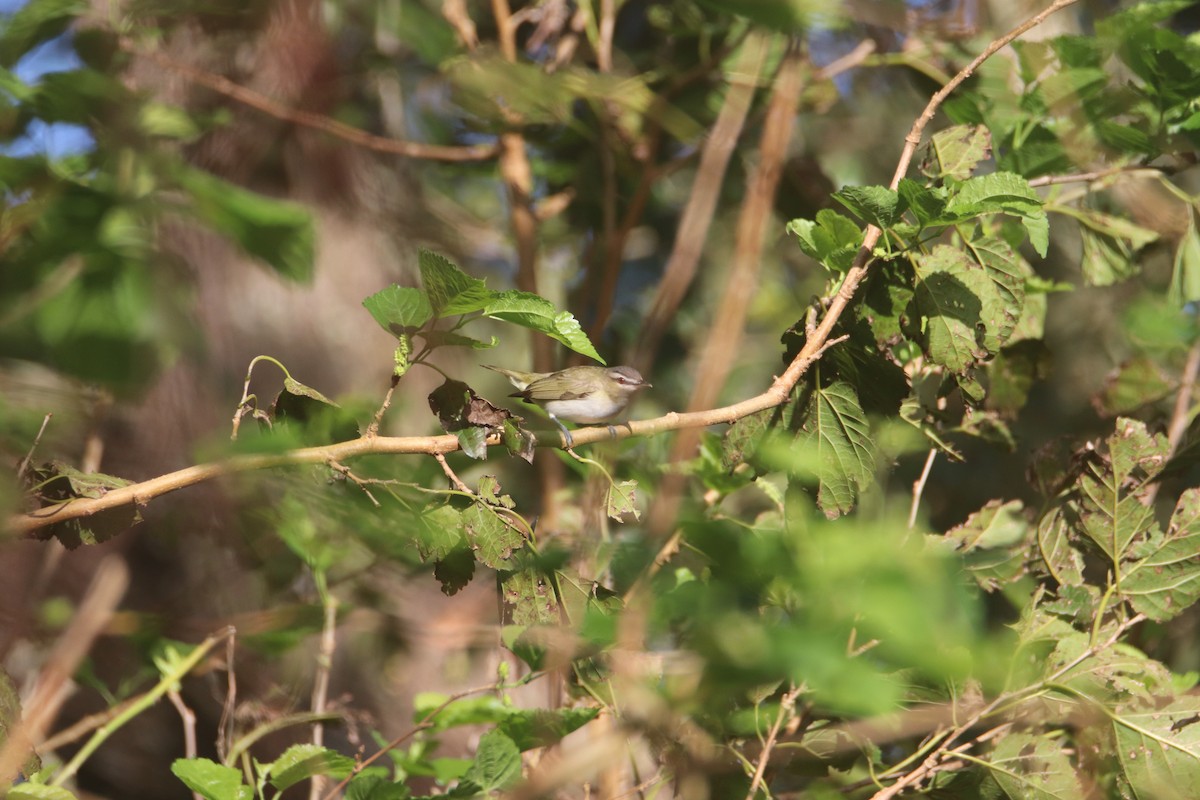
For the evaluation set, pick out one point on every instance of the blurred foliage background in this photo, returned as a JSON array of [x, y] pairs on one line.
[[190, 185]]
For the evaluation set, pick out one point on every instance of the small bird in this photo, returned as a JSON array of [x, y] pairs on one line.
[[577, 394]]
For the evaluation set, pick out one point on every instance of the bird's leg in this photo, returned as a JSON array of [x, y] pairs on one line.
[[566, 433], [612, 432]]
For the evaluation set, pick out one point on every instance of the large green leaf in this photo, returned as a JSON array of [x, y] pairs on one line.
[[1159, 748], [399, 308], [303, 761], [277, 232], [536, 313], [960, 149], [497, 762], [451, 291], [1162, 575], [836, 430], [211, 780], [1027, 766], [492, 539], [1004, 192]]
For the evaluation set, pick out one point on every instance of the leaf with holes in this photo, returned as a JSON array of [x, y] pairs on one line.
[[1161, 576]]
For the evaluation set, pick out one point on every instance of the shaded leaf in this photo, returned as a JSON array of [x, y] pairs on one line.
[[33, 23], [293, 386], [455, 570], [836, 429], [544, 727], [1136, 383], [993, 542], [948, 296]]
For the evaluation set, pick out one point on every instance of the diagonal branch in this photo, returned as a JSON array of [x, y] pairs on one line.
[[273, 108]]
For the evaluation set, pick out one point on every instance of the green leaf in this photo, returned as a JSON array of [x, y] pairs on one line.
[[538, 314], [1106, 261], [1159, 748], [832, 239], [1004, 192], [877, 205], [784, 16], [455, 570], [531, 598], [439, 338], [33, 23], [1004, 300], [1134, 385], [1111, 489], [1185, 280], [1062, 560], [399, 308], [473, 442], [488, 709], [992, 542], [211, 780], [278, 232], [622, 500], [1027, 766], [925, 204], [949, 297], [497, 763], [959, 150], [376, 787], [1162, 573], [439, 531], [519, 441], [293, 386], [451, 291], [544, 727], [303, 761], [837, 431], [492, 539]]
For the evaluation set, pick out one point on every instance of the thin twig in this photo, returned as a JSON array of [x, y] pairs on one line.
[[786, 705], [189, 729], [320, 694], [260, 102], [373, 428], [36, 440], [361, 483], [451, 474], [919, 487]]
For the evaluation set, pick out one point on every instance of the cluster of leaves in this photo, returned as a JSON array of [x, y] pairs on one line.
[[87, 288]]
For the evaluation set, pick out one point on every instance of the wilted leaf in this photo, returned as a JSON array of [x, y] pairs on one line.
[[959, 150], [471, 417], [293, 386], [622, 500]]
